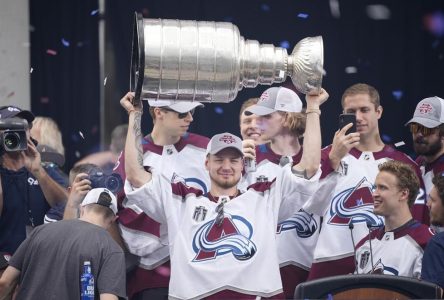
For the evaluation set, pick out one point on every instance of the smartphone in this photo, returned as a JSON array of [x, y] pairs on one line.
[[345, 119]]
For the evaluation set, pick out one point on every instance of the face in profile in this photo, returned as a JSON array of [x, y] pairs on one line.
[[436, 208]]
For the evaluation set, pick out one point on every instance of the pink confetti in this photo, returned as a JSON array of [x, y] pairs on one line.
[[44, 100], [10, 94], [51, 52]]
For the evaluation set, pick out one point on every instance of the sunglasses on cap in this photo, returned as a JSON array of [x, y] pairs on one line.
[[179, 115], [417, 128]]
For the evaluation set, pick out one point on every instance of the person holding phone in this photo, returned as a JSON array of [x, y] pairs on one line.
[[349, 169]]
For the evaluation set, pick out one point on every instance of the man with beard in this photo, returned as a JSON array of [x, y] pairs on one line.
[[427, 131], [433, 260], [222, 243]]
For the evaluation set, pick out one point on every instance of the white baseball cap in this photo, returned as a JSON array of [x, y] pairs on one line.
[[179, 106], [224, 140], [94, 197], [276, 99], [429, 112]]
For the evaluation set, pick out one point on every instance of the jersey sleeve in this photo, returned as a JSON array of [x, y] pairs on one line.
[[150, 197], [293, 191]]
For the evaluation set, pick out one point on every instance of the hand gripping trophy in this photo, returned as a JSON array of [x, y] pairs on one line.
[[211, 61]]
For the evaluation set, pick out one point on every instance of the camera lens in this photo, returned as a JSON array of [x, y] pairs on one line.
[[113, 183], [11, 141]]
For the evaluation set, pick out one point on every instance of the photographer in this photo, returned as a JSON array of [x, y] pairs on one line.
[[26, 190]]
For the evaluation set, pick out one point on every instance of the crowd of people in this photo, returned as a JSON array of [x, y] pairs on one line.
[[188, 221]]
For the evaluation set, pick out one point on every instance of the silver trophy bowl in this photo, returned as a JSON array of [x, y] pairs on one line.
[[211, 61]]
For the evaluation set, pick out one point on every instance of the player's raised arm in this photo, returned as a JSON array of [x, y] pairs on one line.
[[135, 172], [311, 157]]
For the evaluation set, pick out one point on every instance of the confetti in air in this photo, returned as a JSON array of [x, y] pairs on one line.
[[351, 70], [397, 94], [378, 12], [302, 16], [399, 144], [77, 154], [81, 134], [219, 110], [265, 7], [51, 52], [30, 71], [104, 81], [386, 138], [10, 94], [94, 12], [285, 44], [44, 100], [65, 42], [434, 23], [334, 9]]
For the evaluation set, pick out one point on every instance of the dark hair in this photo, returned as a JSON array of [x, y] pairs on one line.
[[438, 182], [82, 168], [406, 177]]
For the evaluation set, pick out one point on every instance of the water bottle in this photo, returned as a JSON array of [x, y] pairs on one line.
[[87, 282]]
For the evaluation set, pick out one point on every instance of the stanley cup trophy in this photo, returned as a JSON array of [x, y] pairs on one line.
[[211, 61]]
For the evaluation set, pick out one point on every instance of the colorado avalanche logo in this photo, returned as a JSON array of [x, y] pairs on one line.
[[425, 108], [303, 222], [232, 237], [354, 205], [380, 268]]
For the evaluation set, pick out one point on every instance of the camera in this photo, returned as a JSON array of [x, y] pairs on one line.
[[112, 182], [13, 135]]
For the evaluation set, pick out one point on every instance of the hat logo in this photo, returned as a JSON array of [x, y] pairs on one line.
[[264, 96], [425, 108], [227, 139]]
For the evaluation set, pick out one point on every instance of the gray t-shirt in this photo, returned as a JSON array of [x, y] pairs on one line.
[[51, 261]]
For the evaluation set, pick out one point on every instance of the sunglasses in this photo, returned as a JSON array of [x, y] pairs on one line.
[[416, 128], [180, 115]]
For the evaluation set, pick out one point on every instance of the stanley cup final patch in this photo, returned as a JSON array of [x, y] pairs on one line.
[[200, 213], [364, 259]]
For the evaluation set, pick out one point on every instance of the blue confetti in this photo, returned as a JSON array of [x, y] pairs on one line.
[[302, 16], [75, 137], [285, 44], [65, 42], [397, 94], [386, 138], [265, 7], [228, 19], [94, 12], [219, 110]]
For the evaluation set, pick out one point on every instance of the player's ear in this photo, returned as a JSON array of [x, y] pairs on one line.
[[206, 161]]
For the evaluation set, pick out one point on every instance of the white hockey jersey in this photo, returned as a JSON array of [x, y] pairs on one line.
[[397, 252], [296, 236], [238, 255], [350, 201], [143, 236]]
